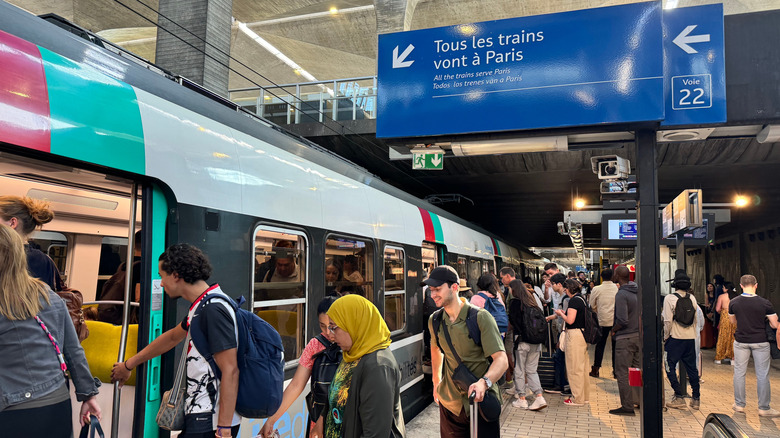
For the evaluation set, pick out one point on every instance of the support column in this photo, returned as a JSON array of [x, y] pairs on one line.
[[211, 21], [394, 15], [648, 272]]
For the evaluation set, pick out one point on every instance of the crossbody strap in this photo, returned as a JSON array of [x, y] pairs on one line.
[[60, 357], [181, 372], [449, 341]]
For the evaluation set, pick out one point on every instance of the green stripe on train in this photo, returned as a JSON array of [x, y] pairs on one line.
[[94, 118]]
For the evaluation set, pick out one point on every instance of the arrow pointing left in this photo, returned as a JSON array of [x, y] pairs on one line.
[[400, 61], [684, 38]]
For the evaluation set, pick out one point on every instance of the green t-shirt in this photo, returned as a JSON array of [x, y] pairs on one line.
[[337, 399], [472, 355]]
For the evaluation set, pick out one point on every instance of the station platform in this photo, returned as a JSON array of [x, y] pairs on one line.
[[560, 421]]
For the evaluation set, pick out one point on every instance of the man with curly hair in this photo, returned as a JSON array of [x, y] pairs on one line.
[[210, 401]]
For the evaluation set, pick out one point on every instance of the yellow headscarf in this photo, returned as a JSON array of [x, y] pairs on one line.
[[361, 319]]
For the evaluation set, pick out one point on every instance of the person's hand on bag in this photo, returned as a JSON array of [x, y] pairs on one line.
[[89, 406]]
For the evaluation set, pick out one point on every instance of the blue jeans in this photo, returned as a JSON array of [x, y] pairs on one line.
[[761, 359], [559, 361]]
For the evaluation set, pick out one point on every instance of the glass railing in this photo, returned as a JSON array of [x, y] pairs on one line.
[[306, 102]]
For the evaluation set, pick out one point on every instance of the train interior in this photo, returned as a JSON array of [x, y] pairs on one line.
[[88, 242]]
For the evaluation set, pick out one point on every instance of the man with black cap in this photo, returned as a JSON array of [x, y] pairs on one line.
[[452, 346], [679, 317]]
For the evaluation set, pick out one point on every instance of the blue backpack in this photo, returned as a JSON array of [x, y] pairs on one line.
[[494, 306], [260, 358]]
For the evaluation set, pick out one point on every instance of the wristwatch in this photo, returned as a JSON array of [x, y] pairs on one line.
[[487, 380]]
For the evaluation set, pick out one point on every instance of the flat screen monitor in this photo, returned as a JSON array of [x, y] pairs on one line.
[[618, 230]]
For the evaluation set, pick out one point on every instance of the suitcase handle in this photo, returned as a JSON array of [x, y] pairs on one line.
[[473, 415]]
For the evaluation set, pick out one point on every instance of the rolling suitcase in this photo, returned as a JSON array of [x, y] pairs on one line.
[[546, 368], [473, 416]]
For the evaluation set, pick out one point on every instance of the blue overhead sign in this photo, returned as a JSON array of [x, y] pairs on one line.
[[587, 67], [694, 66]]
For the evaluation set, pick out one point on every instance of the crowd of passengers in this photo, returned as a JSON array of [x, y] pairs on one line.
[[354, 378], [746, 326]]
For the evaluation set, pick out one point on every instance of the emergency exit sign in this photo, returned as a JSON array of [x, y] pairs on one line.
[[428, 160]]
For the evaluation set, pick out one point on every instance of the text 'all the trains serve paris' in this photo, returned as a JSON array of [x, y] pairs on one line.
[[489, 50]]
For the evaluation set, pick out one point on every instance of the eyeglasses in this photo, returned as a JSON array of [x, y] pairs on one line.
[[332, 328]]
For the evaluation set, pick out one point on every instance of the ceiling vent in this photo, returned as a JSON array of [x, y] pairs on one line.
[[684, 134]]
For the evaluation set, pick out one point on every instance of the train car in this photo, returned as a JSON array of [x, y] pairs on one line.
[[118, 145]]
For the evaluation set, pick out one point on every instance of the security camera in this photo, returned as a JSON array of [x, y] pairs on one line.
[[610, 167]]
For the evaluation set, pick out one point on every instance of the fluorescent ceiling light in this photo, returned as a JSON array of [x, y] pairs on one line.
[[65, 198], [671, 4], [510, 146], [276, 52]]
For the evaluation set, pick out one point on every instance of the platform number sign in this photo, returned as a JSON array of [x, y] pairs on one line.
[[694, 66], [428, 160]]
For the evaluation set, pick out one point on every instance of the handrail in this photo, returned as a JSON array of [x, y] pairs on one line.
[[116, 302], [330, 81]]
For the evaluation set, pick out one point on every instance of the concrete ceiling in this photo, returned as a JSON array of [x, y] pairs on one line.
[[329, 46]]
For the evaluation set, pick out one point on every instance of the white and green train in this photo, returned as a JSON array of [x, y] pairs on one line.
[[118, 145]]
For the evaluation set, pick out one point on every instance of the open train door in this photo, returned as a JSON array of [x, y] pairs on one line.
[[96, 215]]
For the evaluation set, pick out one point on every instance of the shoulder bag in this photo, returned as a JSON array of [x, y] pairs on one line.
[[490, 407], [171, 413]]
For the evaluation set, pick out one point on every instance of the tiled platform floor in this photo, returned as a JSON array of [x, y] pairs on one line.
[[594, 420]]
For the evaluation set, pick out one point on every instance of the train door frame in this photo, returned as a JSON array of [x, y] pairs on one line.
[[154, 201]]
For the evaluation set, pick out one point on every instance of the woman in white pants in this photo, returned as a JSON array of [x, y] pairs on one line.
[[526, 354]]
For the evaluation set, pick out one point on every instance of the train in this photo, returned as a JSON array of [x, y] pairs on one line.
[[118, 145]]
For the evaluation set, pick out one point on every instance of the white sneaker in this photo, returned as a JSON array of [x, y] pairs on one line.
[[511, 391], [538, 404], [717, 362], [520, 403], [737, 408], [770, 413]]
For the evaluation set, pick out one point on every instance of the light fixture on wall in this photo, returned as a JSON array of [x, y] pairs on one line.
[[510, 146]]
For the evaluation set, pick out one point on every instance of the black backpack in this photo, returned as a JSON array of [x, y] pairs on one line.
[[684, 312], [471, 324], [592, 331], [534, 328], [325, 364]]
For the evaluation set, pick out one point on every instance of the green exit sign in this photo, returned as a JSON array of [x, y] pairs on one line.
[[428, 160]]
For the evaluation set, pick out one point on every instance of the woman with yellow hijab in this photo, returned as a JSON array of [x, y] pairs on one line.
[[365, 394]]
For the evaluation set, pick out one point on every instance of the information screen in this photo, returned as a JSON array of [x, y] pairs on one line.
[[621, 229]]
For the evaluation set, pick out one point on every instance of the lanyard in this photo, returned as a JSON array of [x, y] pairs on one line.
[[56, 345]]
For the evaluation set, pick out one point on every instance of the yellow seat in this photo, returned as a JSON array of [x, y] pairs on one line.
[[284, 321], [102, 346]]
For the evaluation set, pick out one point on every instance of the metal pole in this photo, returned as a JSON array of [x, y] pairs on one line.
[[648, 270], [299, 103], [126, 309]]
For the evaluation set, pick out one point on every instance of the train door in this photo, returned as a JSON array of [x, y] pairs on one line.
[[95, 219]]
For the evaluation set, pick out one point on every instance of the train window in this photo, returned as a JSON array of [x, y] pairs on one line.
[[350, 263], [429, 256], [280, 259], [461, 267], [395, 289], [475, 271], [55, 245], [113, 252]]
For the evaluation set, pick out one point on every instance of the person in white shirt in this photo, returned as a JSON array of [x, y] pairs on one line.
[[602, 301]]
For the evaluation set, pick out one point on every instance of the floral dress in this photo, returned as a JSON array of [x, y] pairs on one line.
[[337, 399]]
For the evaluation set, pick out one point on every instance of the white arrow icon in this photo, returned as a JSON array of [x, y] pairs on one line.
[[436, 159], [683, 39], [399, 61]]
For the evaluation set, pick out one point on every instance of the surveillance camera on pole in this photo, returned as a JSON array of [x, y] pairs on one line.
[[610, 167]]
